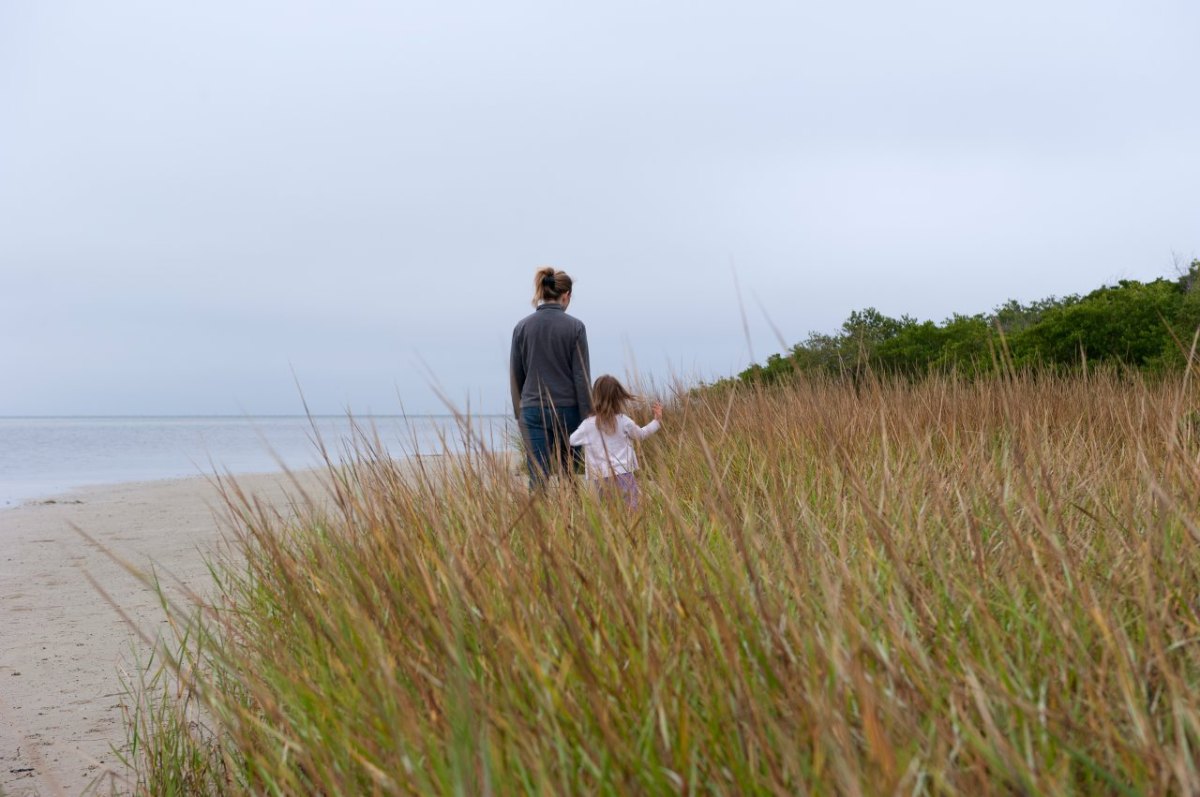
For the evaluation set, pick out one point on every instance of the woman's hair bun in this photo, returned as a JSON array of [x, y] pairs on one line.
[[549, 284]]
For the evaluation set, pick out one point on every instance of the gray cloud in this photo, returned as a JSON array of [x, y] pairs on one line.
[[195, 200]]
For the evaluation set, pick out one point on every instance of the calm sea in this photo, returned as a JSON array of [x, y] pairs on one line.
[[41, 457]]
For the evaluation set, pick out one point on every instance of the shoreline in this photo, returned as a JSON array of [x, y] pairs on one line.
[[65, 647], [45, 458], [76, 493]]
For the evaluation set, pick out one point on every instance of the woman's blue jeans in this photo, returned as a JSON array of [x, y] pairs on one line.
[[546, 432]]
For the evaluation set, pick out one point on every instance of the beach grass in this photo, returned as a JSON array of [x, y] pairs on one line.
[[941, 587]]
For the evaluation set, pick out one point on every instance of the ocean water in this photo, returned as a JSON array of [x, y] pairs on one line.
[[42, 457]]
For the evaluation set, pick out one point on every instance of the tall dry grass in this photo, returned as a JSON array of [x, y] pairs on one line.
[[940, 588]]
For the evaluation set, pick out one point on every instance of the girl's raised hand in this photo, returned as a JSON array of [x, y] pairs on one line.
[[658, 411]]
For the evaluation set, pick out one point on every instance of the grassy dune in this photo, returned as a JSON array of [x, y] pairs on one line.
[[940, 588]]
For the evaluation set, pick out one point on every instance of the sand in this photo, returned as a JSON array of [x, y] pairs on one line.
[[63, 646]]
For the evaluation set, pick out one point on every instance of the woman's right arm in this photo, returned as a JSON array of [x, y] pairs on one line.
[[516, 373]]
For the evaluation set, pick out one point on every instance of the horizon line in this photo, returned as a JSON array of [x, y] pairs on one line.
[[251, 416]]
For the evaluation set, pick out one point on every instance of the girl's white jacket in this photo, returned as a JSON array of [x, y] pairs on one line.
[[611, 454]]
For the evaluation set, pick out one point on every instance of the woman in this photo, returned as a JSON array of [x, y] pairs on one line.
[[548, 370]]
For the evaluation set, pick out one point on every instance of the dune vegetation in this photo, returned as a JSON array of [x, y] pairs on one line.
[[1132, 324], [943, 586]]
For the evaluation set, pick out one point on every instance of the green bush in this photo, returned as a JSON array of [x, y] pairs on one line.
[[1147, 326]]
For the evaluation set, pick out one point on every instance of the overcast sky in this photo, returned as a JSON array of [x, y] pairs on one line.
[[197, 198]]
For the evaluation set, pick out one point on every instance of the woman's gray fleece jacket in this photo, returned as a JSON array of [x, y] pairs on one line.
[[549, 364]]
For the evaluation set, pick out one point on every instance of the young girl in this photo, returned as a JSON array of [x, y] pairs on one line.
[[607, 437]]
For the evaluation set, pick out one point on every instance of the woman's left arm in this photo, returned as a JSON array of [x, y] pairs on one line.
[[581, 368]]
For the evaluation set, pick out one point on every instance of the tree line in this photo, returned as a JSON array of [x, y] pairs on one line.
[[1143, 325]]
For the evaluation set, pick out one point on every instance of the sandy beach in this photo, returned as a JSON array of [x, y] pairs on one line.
[[64, 645]]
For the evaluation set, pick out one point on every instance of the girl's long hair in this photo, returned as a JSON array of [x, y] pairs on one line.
[[609, 398]]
